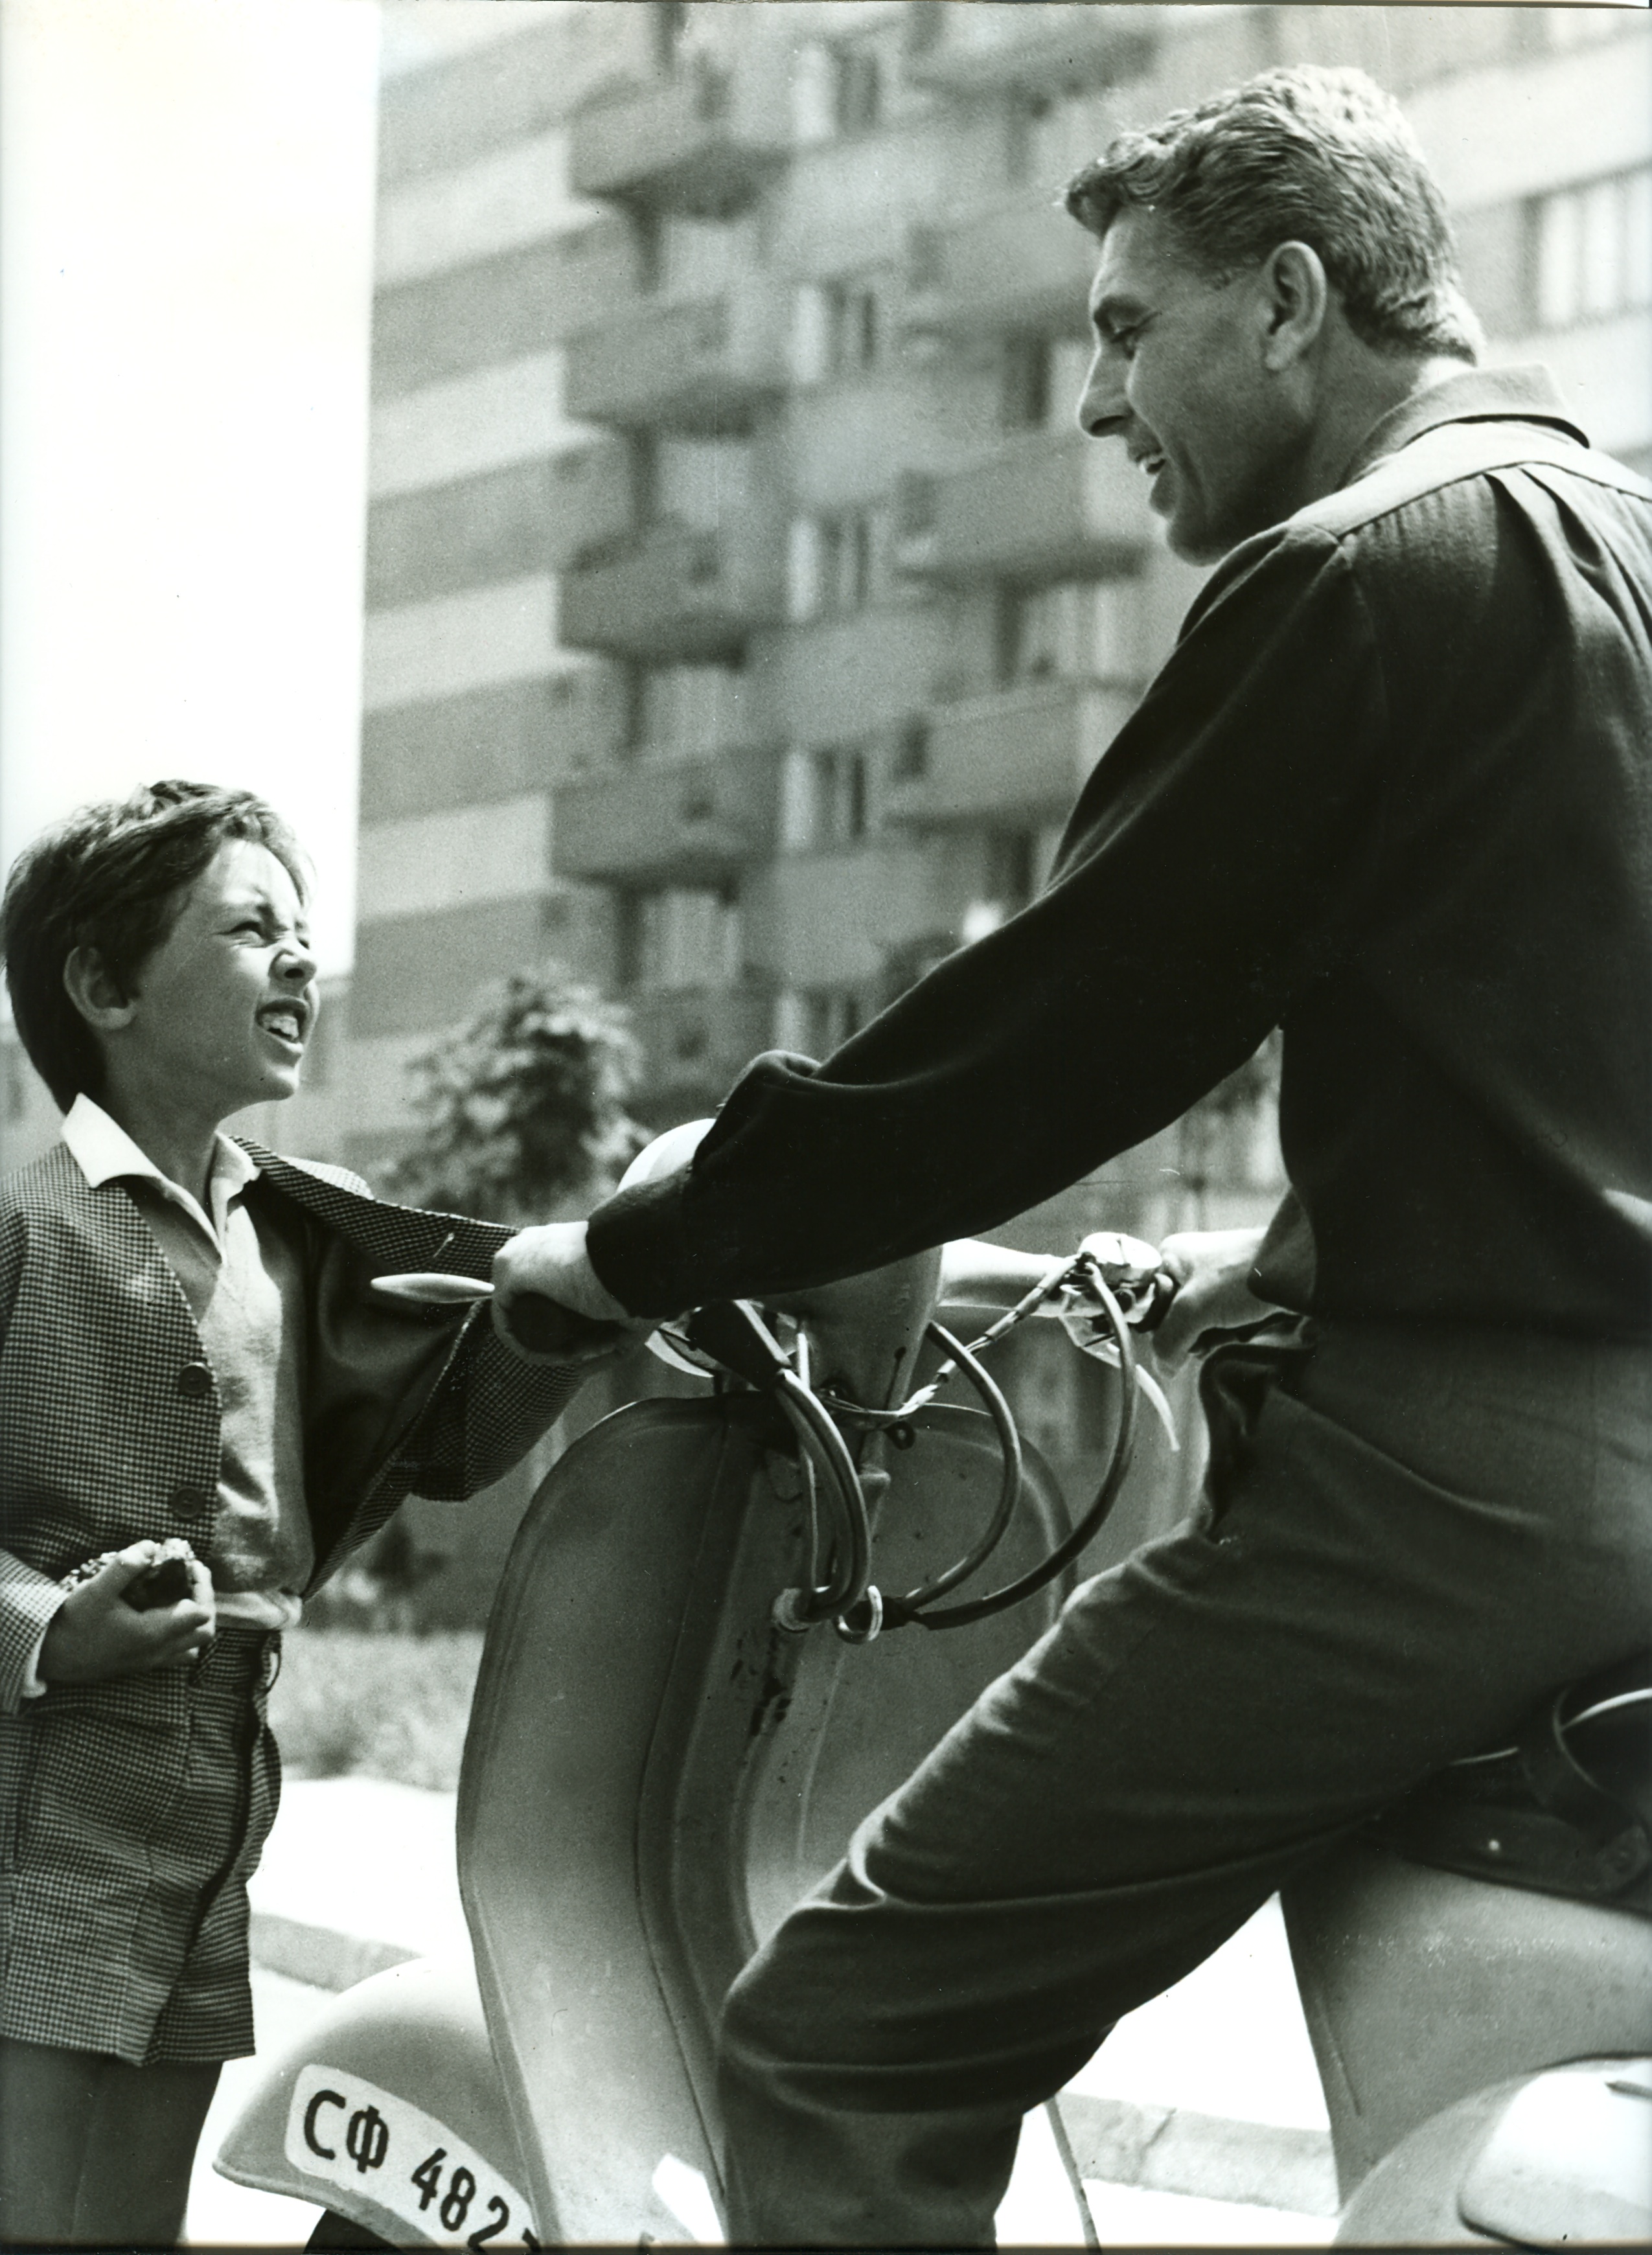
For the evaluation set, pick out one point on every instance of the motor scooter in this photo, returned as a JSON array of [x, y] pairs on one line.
[[693, 1688]]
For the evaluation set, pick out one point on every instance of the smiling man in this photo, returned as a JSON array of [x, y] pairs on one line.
[[193, 1360], [1389, 794]]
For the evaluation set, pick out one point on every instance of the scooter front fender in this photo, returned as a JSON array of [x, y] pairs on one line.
[[399, 2071], [1564, 2158]]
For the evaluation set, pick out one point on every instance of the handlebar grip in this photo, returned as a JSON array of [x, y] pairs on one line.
[[545, 1326]]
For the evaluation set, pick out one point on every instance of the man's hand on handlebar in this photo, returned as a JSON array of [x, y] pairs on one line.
[[1211, 1270], [549, 1302]]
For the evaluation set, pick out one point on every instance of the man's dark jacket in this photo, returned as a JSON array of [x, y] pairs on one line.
[[1390, 793]]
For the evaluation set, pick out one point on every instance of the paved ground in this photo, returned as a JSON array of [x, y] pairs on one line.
[[1200, 2123]]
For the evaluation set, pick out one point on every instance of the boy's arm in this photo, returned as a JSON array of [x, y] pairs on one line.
[[492, 1407], [487, 1410], [29, 1600], [29, 1603]]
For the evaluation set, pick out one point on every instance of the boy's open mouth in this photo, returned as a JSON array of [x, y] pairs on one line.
[[287, 1019]]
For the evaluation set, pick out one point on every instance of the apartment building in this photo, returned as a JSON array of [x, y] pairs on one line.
[[744, 609]]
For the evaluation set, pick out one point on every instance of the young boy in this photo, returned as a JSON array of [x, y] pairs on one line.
[[190, 1347]]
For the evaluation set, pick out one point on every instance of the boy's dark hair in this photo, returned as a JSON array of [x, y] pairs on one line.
[[1305, 155], [112, 877]]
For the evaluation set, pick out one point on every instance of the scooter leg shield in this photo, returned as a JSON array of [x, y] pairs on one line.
[[390, 2111], [656, 1771]]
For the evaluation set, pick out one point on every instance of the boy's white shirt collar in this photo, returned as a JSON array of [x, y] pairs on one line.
[[103, 1151]]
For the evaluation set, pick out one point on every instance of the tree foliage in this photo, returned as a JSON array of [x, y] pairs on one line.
[[524, 1109]]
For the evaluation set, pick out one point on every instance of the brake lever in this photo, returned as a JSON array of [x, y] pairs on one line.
[[1144, 1296], [733, 1333]]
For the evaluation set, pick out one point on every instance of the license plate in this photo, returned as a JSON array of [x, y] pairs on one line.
[[344, 2131]]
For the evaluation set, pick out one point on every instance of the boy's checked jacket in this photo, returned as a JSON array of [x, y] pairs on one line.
[[109, 1433]]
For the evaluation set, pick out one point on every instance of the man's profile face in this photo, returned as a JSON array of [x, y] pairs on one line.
[[1179, 376]]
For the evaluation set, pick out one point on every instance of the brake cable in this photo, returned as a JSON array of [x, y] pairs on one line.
[[812, 1424], [917, 1606], [735, 1335]]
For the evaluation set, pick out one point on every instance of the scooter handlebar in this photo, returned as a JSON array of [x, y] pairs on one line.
[[538, 1324]]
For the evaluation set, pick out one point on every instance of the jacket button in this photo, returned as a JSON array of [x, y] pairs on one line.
[[194, 1379], [189, 1503]]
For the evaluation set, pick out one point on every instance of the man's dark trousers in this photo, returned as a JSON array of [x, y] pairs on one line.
[[1410, 1536]]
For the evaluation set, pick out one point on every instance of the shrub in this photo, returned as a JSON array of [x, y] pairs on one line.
[[525, 1109]]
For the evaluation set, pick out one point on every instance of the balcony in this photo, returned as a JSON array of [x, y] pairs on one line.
[[595, 268], [834, 919], [700, 142], [690, 822], [1021, 752], [590, 504], [991, 45], [704, 365], [696, 1040], [1040, 508], [678, 597], [1020, 265], [840, 678]]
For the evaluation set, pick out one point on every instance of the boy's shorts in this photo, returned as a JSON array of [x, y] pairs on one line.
[[142, 1807]]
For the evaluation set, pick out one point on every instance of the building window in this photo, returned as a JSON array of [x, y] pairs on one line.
[[671, 27], [922, 28], [836, 330], [1010, 858], [1022, 137], [804, 569], [1007, 874], [840, 796], [829, 565], [925, 260], [649, 235], [825, 800], [1593, 251], [812, 89], [687, 712], [911, 762], [818, 1020], [855, 328], [858, 90], [1026, 383], [835, 90], [677, 938], [1032, 633], [850, 558], [811, 348], [1113, 629], [1087, 631]]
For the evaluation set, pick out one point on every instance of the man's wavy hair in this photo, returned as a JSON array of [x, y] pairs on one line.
[[114, 877], [1305, 155]]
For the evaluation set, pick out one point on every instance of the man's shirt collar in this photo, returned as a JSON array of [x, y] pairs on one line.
[[1478, 395], [104, 1152]]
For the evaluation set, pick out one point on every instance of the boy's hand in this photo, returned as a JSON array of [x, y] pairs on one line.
[[96, 1635]]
